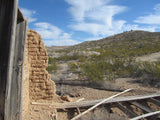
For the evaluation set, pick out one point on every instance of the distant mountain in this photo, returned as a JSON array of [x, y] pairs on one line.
[[129, 35]]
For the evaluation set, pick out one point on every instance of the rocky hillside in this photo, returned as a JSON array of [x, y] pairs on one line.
[[113, 57], [125, 36]]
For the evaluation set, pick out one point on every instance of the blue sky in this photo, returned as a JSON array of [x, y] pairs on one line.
[[69, 22]]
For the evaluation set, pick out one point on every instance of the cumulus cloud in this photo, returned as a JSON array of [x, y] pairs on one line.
[[151, 19], [53, 35], [47, 30], [29, 14], [79, 8], [62, 42], [97, 17], [99, 14]]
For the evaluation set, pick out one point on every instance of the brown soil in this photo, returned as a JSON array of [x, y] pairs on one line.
[[151, 57], [122, 83], [92, 94]]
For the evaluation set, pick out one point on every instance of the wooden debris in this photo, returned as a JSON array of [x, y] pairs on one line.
[[145, 108], [85, 112], [114, 100], [78, 107], [126, 110], [157, 102], [146, 115]]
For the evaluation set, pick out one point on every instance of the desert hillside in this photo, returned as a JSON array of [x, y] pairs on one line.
[[132, 54], [99, 69]]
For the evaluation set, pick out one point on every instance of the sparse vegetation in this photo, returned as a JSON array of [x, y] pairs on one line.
[[116, 58], [52, 67], [74, 56]]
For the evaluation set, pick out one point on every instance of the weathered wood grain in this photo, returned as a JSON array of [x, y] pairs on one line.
[[114, 100], [8, 16]]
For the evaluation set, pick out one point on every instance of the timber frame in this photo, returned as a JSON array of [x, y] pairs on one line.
[[13, 29]]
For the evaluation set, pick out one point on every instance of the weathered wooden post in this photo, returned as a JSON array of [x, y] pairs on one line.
[[13, 28]]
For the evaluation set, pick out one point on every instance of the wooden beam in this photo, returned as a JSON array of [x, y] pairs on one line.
[[128, 106], [146, 115], [90, 109], [155, 101], [114, 100], [126, 111], [8, 16], [145, 108], [84, 104]]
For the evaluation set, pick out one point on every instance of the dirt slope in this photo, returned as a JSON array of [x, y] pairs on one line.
[[151, 57]]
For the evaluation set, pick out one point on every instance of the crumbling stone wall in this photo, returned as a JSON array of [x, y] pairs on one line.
[[40, 84], [37, 83]]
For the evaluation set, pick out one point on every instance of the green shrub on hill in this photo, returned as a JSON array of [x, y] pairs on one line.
[[52, 67], [73, 67], [66, 57]]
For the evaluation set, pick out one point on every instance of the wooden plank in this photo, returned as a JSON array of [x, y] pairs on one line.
[[101, 102], [155, 101], [146, 115], [14, 85], [93, 102], [8, 15], [17, 73], [114, 100], [126, 111], [145, 108], [128, 106]]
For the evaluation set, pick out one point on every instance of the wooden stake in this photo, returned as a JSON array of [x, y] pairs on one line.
[[80, 115], [78, 107]]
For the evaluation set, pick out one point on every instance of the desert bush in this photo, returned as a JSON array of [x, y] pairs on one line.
[[73, 66], [52, 67], [66, 57], [151, 68], [51, 60]]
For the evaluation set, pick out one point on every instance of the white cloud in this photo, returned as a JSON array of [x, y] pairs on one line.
[[29, 14], [92, 28], [53, 35], [151, 19], [99, 29], [157, 8], [97, 17], [47, 30], [128, 27], [99, 14], [62, 42], [79, 7]]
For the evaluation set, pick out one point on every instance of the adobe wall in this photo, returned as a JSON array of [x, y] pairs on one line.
[[37, 84]]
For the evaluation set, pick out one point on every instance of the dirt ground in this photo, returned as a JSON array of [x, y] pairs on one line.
[[78, 92], [151, 57], [122, 83]]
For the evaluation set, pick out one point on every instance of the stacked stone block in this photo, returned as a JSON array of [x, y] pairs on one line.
[[41, 87]]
